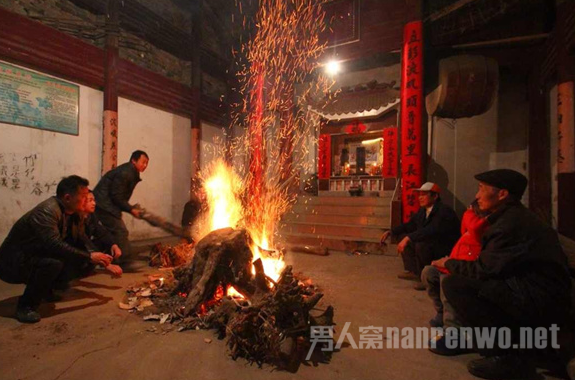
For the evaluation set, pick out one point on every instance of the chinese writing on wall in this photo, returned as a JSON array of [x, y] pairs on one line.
[[18, 173]]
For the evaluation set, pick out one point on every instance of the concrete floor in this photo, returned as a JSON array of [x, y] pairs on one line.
[[86, 336]]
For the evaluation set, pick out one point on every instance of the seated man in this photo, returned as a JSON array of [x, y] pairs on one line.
[[519, 280], [473, 226], [88, 233], [430, 233], [35, 253]]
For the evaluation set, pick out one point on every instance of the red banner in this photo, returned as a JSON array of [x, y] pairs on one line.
[[411, 111], [389, 169], [324, 159]]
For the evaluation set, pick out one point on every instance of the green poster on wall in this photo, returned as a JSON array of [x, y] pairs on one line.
[[34, 100]]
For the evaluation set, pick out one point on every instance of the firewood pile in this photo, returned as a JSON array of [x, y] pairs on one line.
[[167, 256], [266, 322]]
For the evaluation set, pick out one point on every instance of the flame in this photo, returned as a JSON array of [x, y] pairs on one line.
[[223, 187], [279, 56], [232, 292], [272, 260]]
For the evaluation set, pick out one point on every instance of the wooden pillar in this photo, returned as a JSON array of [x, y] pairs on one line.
[[110, 117], [196, 123], [539, 146], [413, 120], [565, 126]]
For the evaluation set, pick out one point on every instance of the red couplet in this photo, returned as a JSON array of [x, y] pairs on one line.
[[411, 112], [324, 159], [389, 169]]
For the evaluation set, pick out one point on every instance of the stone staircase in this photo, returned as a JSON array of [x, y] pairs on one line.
[[338, 222]]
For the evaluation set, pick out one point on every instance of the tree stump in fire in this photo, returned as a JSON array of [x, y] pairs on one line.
[[222, 257], [271, 324]]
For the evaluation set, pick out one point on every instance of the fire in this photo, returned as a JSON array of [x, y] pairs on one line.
[[223, 188], [272, 260], [232, 292], [273, 68]]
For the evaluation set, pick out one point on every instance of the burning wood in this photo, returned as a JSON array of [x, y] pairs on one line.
[[273, 315], [267, 323], [167, 256], [222, 257]]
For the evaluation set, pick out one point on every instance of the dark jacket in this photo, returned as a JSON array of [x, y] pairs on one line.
[[115, 188], [192, 209], [90, 234], [521, 253], [40, 232], [439, 232]]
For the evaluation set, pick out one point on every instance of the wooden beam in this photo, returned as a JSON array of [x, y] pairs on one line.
[[32, 44], [448, 10]]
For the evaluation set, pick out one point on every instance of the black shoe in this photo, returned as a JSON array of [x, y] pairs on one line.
[[27, 315], [438, 345], [502, 367], [52, 297]]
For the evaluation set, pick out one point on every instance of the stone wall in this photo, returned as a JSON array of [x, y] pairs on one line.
[[80, 23]]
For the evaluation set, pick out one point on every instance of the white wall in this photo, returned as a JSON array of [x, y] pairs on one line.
[[459, 149], [57, 155], [211, 144], [164, 136], [166, 182], [496, 139]]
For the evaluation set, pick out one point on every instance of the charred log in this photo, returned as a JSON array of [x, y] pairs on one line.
[[270, 325], [222, 257]]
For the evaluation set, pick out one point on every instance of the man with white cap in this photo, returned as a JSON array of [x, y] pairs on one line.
[[429, 234]]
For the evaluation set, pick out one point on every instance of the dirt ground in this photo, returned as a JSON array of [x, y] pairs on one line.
[[86, 336]]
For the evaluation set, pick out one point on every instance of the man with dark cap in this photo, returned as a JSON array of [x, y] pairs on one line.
[[519, 280], [429, 234], [113, 194]]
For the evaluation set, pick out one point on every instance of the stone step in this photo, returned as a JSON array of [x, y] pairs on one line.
[[357, 219], [359, 233], [341, 209], [335, 243]]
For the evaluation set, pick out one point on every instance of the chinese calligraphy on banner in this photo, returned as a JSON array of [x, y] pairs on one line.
[[324, 159], [411, 109], [389, 169]]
